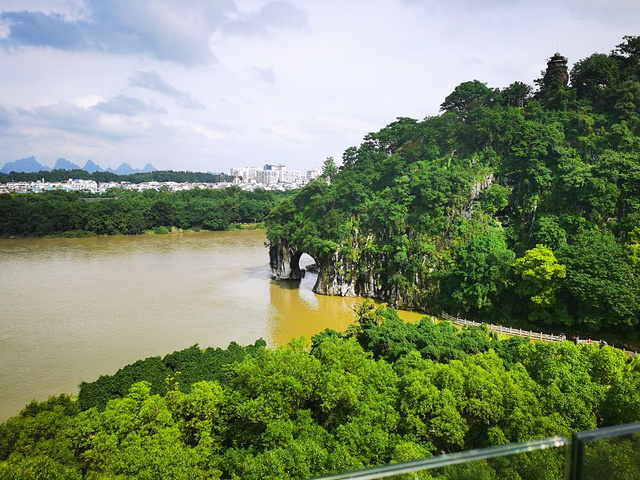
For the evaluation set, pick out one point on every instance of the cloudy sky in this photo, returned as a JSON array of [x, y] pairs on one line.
[[204, 85]]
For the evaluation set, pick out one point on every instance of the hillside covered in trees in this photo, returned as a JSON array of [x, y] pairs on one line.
[[515, 204], [384, 391]]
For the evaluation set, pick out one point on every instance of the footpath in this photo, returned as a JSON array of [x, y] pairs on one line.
[[518, 332]]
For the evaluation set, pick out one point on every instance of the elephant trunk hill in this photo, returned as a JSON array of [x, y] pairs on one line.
[[514, 205]]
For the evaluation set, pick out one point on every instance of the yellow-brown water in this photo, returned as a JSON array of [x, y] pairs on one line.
[[73, 309]]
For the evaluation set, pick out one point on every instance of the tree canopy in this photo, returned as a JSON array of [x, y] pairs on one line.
[[384, 391], [128, 212]]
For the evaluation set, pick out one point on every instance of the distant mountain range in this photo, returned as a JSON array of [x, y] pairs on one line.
[[30, 165]]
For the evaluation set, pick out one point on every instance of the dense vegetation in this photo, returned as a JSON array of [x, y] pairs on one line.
[[515, 205], [128, 212], [384, 391], [179, 369], [61, 175]]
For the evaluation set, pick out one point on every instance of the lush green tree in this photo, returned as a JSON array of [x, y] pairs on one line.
[[329, 169], [130, 213], [593, 74], [495, 198], [601, 287], [468, 95], [480, 271], [516, 94], [539, 277], [383, 391]]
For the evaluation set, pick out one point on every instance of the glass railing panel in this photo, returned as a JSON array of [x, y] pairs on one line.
[[546, 464], [612, 452], [536, 459]]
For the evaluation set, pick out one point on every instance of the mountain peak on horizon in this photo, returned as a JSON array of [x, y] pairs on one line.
[[64, 164], [92, 167], [31, 165], [126, 169], [123, 169], [27, 164]]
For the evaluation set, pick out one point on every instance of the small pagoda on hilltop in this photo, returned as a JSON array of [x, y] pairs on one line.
[[553, 86], [557, 72]]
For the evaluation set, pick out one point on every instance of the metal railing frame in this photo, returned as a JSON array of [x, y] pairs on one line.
[[574, 455], [452, 459], [575, 460]]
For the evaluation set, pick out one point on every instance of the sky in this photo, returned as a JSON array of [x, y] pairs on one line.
[[206, 85]]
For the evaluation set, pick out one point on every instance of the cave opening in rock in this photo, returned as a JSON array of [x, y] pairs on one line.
[[303, 262]]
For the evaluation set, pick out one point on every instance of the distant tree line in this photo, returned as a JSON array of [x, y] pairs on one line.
[[126, 212], [384, 391], [60, 175]]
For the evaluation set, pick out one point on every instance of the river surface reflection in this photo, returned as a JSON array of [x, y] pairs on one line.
[[73, 309]]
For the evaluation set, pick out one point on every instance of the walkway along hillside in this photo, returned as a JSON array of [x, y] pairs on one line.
[[518, 332]]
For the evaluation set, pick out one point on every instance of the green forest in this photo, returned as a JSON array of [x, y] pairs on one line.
[[514, 205], [126, 212], [384, 391]]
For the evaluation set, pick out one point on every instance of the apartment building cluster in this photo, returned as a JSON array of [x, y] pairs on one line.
[[91, 186], [273, 174], [271, 177]]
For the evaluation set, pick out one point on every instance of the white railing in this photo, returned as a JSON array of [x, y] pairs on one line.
[[515, 332], [518, 332]]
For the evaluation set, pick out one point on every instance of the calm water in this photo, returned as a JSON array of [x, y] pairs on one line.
[[73, 309]]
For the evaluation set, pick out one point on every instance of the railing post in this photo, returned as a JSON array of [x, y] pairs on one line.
[[573, 459]]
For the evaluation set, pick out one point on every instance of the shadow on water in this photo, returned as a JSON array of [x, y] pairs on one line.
[[288, 284], [261, 272]]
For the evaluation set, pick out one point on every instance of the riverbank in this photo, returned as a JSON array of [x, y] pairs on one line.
[[161, 230]]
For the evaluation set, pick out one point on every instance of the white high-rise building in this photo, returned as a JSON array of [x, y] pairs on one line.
[[291, 176], [267, 177], [313, 173], [244, 174], [271, 174]]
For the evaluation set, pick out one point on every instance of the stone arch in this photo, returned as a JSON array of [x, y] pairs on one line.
[[284, 261], [335, 274]]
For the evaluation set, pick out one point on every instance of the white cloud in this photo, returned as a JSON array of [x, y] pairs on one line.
[[183, 127], [4, 117], [125, 105], [88, 101], [4, 29], [209, 84], [152, 81], [273, 16], [344, 124], [266, 75], [283, 133], [121, 126], [171, 30]]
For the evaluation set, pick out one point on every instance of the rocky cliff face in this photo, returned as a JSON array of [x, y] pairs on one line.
[[337, 275], [284, 260], [349, 271], [362, 265]]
